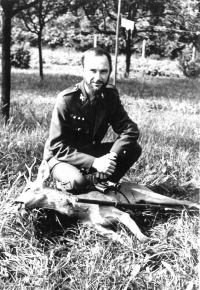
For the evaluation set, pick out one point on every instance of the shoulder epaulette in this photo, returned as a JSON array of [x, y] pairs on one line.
[[68, 91], [112, 89]]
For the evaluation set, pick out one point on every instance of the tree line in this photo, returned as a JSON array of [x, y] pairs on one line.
[[164, 24]]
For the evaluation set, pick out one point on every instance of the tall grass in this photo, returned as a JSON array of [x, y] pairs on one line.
[[38, 251]]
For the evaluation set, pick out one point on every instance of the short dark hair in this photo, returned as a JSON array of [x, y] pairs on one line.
[[97, 51]]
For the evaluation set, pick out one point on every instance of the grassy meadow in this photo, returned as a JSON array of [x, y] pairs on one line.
[[38, 250]]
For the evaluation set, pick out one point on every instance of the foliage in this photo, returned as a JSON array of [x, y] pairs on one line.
[[190, 68], [151, 67], [166, 25], [20, 34], [37, 16], [20, 57]]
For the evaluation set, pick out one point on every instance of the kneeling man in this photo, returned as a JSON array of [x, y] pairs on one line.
[[80, 120]]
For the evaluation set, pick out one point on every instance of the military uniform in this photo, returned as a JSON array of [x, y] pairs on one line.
[[78, 127]]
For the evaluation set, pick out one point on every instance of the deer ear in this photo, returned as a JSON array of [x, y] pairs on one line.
[[43, 171]]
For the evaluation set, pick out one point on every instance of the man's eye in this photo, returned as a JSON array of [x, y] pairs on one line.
[[93, 70], [104, 71]]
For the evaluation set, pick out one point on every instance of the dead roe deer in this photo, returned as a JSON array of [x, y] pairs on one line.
[[37, 195]]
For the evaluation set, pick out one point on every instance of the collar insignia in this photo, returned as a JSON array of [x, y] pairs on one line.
[[82, 98]]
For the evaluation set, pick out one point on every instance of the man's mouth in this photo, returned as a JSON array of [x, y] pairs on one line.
[[97, 84]]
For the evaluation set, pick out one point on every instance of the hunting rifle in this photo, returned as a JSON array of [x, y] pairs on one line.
[[139, 206], [105, 187]]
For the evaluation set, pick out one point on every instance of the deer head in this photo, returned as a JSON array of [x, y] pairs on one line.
[[34, 190], [37, 195], [43, 174]]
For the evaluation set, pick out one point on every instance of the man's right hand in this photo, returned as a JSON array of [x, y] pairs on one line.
[[105, 164]]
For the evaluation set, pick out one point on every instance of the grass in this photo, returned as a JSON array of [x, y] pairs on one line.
[[37, 251]]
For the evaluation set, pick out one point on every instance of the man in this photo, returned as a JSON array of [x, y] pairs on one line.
[[80, 120]]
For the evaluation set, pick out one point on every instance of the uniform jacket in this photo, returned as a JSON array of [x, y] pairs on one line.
[[71, 129]]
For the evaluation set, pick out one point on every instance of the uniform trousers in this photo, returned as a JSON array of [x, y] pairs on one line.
[[73, 178]]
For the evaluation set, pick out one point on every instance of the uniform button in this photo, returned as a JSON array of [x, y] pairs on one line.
[[79, 129], [124, 152], [74, 117], [94, 142], [83, 119], [79, 118]]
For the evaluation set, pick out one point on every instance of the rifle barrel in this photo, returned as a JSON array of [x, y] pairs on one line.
[[165, 206]]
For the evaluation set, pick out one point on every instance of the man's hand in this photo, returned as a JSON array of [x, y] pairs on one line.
[[105, 165], [112, 155]]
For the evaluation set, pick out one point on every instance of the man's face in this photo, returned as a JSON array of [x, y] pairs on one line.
[[96, 73]]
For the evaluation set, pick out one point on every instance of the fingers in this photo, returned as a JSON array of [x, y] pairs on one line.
[[109, 167], [100, 175], [112, 163]]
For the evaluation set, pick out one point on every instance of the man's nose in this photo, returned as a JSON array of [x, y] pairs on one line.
[[97, 75]]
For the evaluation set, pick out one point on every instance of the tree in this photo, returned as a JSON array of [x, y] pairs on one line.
[[103, 16], [9, 9], [152, 18], [36, 17]]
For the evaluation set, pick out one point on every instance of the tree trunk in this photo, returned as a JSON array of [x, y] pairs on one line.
[[193, 53], [143, 48], [128, 53], [40, 55], [6, 68]]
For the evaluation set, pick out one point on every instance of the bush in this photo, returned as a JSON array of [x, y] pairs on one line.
[[155, 56], [188, 67], [54, 37], [83, 42], [20, 57], [152, 67]]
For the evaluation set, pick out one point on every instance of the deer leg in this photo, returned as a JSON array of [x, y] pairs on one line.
[[109, 233], [133, 227], [126, 220]]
